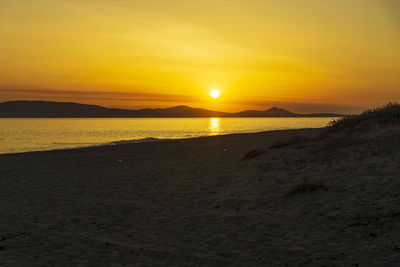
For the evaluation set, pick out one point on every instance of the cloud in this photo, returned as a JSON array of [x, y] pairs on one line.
[[393, 9], [91, 96]]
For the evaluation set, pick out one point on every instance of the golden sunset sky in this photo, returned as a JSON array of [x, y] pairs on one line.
[[304, 55]]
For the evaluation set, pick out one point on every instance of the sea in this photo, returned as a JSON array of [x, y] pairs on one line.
[[25, 135]]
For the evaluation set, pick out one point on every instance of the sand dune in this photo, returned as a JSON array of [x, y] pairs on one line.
[[322, 199]]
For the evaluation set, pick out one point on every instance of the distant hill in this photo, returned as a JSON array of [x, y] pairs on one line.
[[48, 109]]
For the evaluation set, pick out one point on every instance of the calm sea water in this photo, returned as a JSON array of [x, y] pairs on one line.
[[22, 135]]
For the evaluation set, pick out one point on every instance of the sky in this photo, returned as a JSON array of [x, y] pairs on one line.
[[303, 55]]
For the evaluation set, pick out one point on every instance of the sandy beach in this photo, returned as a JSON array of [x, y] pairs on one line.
[[280, 198]]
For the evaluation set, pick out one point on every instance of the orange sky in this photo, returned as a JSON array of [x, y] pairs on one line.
[[304, 55]]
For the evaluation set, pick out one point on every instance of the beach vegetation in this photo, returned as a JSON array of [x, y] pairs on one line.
[[304, 188], [253, 154], [389, 113]]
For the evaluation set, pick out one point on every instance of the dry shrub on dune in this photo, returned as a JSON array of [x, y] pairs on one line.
[[253, 154], [304, 187], [389, 113]]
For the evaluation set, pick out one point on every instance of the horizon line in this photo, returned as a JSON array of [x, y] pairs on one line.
[[182, 105], [140, 100]]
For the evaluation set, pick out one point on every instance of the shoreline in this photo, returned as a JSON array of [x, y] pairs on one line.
[[151, 140]]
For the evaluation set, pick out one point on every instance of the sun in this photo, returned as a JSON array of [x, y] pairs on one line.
[[214, 93]]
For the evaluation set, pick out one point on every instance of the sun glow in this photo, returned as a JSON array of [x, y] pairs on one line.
[[214, 93], [214, 126], [342, 56]]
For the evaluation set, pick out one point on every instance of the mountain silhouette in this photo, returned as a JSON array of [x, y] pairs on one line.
[[49, 109]]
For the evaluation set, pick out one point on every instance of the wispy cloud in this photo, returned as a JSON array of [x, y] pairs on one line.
[[89, 96]]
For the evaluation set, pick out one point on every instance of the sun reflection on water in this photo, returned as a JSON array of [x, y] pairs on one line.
[[214, 127]]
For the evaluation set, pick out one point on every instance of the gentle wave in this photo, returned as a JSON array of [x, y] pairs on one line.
[[134, 141], [74, 144]]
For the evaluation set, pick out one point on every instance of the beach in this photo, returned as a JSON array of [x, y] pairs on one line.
[[305, 197]]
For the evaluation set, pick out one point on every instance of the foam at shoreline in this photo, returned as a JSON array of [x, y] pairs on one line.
[[134, 141]]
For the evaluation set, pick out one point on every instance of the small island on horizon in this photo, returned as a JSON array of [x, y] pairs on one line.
[[51, 109]]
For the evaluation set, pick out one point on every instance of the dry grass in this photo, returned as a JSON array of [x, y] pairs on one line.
[[389, 113], [253, 154], [305, 187]]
